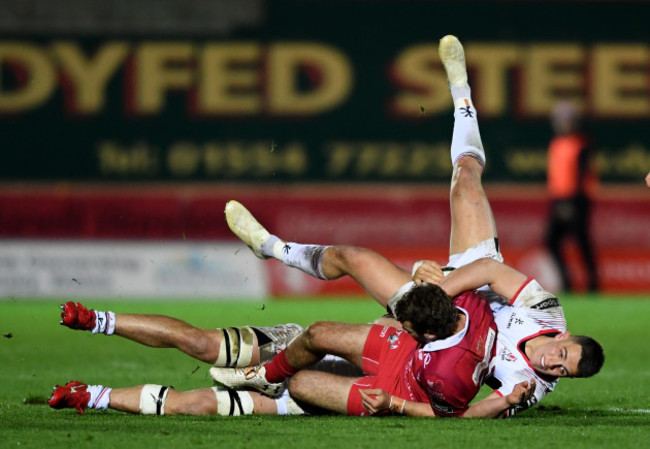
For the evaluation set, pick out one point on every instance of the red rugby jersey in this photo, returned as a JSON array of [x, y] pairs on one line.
[[448, 373]]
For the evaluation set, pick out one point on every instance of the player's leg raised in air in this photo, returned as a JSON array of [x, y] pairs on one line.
[[471, 215], [376, 274], [472, 220], [473, 228]]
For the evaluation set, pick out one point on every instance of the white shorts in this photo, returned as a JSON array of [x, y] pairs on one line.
[[486, 248]]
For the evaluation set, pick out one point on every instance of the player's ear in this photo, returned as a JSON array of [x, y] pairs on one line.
[[429, 336], [562, 336]]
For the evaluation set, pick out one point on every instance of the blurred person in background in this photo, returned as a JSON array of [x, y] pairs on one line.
[[647, 179], [571, 182]]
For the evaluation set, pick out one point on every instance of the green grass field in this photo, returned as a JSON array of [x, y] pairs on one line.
[[610, 410]]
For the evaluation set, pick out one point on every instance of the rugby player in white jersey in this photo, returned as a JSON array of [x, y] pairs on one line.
[[533, 342]]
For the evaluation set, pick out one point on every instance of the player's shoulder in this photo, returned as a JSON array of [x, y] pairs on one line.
[[470, 298], [534, 296], [474, 303]]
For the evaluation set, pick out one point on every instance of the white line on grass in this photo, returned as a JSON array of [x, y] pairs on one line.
[[630, 410]]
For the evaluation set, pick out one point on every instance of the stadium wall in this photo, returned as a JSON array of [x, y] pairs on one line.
[[150, 241]]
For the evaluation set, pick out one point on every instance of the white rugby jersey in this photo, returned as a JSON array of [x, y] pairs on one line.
[[532, 312]]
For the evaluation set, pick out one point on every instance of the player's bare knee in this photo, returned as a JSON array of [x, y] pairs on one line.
[[343, 258], [334, 262], [315, 335], [466, 182], [298, 385]]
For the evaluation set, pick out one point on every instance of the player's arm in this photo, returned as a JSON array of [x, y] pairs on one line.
[[416, 409], [504, 280], [376, 400], [495, 405]]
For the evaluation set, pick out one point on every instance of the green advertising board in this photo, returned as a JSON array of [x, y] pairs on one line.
[[296, 90]]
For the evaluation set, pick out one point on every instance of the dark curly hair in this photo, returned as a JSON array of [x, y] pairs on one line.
[[429, 310], [592, 357]]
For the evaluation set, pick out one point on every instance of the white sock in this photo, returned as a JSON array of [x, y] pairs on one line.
[[100, 396], [306, 258], [287, 406], [460, 93], [104, 323], [281, 403], [268, 248], [466, 139]]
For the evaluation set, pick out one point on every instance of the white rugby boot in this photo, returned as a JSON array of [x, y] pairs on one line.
[[452, 56], [246, 227], [466, 138], [250, 377]]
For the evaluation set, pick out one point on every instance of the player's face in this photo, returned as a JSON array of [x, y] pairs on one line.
[[559, 357]]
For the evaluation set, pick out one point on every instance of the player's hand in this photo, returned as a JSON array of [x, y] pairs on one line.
[[427, 271], [647, 179], [374, 400], [521, 393]]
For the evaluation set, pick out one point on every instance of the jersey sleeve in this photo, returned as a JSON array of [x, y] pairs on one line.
[[445, 409], [451, 397], [531, 295], [449, 391]]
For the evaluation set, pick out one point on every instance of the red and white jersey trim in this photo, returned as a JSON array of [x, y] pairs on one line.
[[514, 298]]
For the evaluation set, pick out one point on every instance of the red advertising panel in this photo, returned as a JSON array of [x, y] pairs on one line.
[[405, 223]]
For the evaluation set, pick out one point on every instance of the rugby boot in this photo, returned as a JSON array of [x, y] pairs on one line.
[[250, 377], [76, 316], [246, 227], [452, 56], [279, 336], [74, 394]]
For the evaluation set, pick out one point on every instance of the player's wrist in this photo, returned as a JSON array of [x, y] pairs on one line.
[[395, 406], [512, 399]]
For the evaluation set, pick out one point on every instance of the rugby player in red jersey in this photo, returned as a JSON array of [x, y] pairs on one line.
[[533, 343], [434, 365]]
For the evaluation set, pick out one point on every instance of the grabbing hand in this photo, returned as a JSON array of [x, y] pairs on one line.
[[521, 393], [427, 271], [374, 400]]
